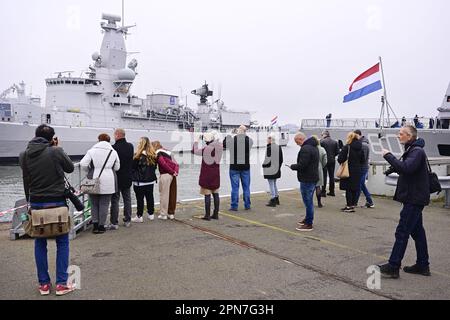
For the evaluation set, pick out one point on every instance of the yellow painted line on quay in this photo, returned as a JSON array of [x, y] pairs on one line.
[[298, 234]]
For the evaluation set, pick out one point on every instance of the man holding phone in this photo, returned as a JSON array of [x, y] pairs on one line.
[[307, 168]]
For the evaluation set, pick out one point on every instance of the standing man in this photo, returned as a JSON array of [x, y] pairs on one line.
[[413, 191], [125, 151], [332, 148], [364, 171], [239, 147], [43, 165], [307, 168], [328, 117]]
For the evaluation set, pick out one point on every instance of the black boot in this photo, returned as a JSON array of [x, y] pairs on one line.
[[272, 203], [207, 216], [387, 271], [277, 201], [319, 202], [415, 269], [101, 229], [95, 230], [216, 206]]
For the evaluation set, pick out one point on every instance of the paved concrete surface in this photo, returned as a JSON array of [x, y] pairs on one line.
[[254, 254]]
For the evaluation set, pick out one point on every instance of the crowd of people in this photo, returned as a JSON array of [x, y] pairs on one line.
[[119, 167]]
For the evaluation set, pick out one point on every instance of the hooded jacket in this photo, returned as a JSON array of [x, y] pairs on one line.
[[97, 155], [366, 152], [413, 185], [43, 170], [166, 163], [355, 162], [307, 166]]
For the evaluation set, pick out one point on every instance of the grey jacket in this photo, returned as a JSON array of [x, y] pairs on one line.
[[43, 169], [366, 152]]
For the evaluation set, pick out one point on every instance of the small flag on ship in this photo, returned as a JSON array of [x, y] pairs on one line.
[[274, 121]]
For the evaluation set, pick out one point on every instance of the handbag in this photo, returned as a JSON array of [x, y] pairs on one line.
[[90, 185], [435, 186], [48, 223], [343, 171]]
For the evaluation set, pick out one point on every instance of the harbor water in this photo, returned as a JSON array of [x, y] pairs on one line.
[[11, 186]]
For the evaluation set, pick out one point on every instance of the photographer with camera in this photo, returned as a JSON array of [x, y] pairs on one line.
[[413, 191], [45, 189]]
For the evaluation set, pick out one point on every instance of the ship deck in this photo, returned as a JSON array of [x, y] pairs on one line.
[[247, 255]]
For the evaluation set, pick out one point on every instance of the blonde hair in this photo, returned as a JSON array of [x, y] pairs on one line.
[[351, 137], [145, 145]]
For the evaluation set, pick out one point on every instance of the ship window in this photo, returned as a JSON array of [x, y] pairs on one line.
[[74, 82], [67, 82], [9, 119], [448, 98], [3, 119], [80, 82]]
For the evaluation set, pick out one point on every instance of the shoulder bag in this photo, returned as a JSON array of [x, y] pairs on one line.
[[91, 185], [343, 171]]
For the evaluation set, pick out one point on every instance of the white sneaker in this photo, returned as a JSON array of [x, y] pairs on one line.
[[137, 220], [171, 217], [151, 217], [112, 227], [162, 217]]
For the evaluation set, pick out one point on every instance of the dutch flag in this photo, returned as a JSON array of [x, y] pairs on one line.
[[366, 83], [274, 121]]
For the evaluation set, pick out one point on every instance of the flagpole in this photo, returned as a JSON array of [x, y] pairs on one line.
[[385, 100]]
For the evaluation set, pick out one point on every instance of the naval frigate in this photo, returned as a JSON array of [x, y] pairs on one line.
[[80, 108]]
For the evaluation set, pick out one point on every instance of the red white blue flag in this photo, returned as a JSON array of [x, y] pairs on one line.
[[274, 121], [366, 83]]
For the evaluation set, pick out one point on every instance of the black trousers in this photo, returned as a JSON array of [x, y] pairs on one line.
[[351, 197], [329, 169], [147, 193]]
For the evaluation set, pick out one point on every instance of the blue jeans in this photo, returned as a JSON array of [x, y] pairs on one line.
[[411, 223], [244, 178], [363, 188], [307, 191], [273, 188], [62, 260]]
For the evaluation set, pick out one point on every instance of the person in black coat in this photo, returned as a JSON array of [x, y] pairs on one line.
[[307, 168], [352, 152], [125, 151], [331, 146], [413, 191], [272, 168]]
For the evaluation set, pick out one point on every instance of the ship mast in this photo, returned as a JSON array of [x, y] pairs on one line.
[[123, 13], [385, 106]]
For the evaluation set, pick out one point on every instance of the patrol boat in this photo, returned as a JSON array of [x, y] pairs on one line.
[[80, 108]]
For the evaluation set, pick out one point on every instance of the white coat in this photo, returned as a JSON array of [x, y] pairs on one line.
[[98, 154]]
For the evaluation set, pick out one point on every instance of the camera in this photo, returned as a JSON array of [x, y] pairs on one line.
[[389, 171]]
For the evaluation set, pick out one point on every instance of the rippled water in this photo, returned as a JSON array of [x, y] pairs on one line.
[[11, 186]]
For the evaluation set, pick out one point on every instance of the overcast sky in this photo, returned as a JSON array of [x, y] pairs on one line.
[[295, 59]]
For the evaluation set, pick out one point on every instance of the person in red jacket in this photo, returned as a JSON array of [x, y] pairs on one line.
[[210, 173], [168, 169]]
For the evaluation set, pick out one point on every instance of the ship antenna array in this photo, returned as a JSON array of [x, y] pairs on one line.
[[385, 105]]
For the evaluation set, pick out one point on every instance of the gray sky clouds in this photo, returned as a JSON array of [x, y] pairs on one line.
[[294, 59]]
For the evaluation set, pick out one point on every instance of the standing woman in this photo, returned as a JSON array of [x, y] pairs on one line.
[[353, 152], [272, 168], [144, 179], [323, 160], [102, 160], [168, 170], [210, 173]]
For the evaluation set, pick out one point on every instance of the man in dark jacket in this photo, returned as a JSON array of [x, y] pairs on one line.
[[239, 147], [43, 165], [125, 151], [307, 168], [413, 191], [364, 171], [332, 148]]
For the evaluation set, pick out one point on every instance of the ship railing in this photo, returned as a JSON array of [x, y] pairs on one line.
[[372, 123]]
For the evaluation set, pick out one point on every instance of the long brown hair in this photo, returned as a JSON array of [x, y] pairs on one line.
[[145, 145], [351, 137], [156, 145]]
